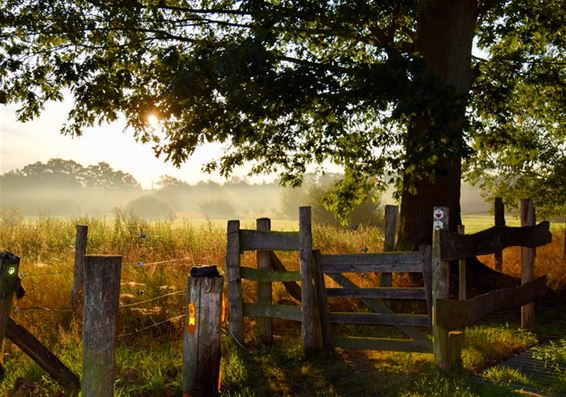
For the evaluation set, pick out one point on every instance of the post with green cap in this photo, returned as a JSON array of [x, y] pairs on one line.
[[9, 265]]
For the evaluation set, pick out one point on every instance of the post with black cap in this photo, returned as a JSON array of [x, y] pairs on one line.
[[9, 281], [201, 350]]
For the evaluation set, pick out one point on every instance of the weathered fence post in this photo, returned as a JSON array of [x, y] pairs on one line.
[[391, 215], [499, 213], [102, 295], [263, 292], [307, 287], [527, 263], [461, 271], [78, 280], [235, 304], [201, 347], [9, 265], [440, 288]]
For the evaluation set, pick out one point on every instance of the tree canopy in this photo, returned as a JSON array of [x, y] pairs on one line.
[[287, 83]]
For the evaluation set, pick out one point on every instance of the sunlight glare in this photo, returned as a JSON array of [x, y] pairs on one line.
[[153, 120]]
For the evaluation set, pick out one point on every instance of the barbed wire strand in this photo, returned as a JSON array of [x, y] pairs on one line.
[[52, 309], [151, 326], [151, 299]]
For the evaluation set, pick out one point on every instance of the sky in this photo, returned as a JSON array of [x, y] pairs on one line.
[[40, 140]]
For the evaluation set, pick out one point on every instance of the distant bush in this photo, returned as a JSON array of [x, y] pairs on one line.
[[321, 193], [149, 207], [217, 208]]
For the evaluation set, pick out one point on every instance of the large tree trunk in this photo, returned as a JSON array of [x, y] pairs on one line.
[[444, 39]]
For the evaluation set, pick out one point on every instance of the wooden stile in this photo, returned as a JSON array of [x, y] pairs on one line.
[[440, 287], [102, 295], [201, 335], [264, 288], [527, 263], [391, 215], [78, 275], [235, 304], [499, 215]]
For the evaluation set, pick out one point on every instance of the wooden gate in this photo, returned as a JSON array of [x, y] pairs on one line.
[[333, 266]]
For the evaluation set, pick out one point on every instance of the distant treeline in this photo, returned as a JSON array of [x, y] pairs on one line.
[[66, 188]]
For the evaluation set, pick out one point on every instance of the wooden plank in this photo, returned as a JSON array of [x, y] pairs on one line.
[[102, 296], [377, 293], [440, 286], [455, 314], [235, 308], [527, 263], [322, 304], [31, 346], [406, 262], [379, 307], [411, 320], [252, 240], [461, 271], [308, 324], [400, 345], [250, 273], [426, 251], [292, 288], [391, 215], [492, 240], [264, 287], [284, 312], [78, 274], [499, 215], [201, 334]]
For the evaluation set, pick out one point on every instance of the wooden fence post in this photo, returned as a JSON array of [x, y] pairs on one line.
[[461, 271], [499, 212], [78, 280], [9, 265], [455, 345], [263, 291], [307, 287], [102, 295], [391, 215], [440, 288], [235, 304], [201, 337], [527, 263]]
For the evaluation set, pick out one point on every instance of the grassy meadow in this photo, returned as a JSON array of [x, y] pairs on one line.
[[157, 257]]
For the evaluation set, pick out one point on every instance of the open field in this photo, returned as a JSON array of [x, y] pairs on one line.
[[153, 297]]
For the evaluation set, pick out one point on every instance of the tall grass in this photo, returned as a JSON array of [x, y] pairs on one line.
[[153, 295]]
